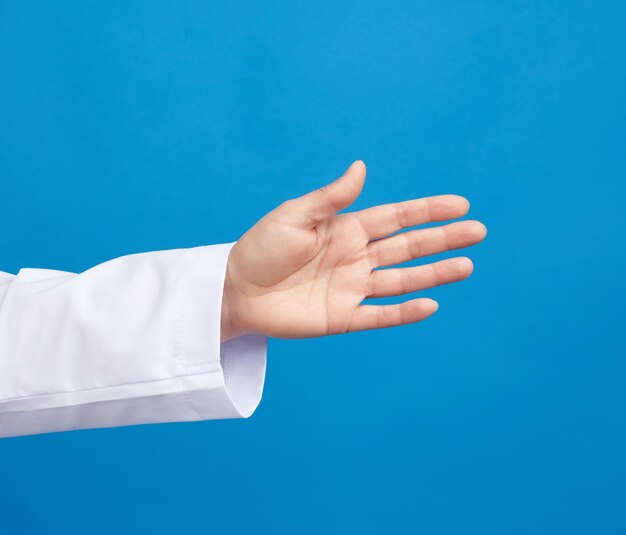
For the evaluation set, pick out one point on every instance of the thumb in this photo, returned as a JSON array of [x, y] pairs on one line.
[[325, 202]]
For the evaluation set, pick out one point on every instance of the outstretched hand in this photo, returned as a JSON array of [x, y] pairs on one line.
[[303, 270]]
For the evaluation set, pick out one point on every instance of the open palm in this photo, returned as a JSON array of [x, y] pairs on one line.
[[303, 270]]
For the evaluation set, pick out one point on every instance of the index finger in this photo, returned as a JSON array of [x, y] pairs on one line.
[[380, 221]]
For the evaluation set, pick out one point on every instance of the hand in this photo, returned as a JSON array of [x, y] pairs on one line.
[[303, 270]]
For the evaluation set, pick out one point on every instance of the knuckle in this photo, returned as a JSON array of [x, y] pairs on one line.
[[405, 281], [381, 316], [413, 244], [444, 233], [436, 275], [325, 190], [401, 214]]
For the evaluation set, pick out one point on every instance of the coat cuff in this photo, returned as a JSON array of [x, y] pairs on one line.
[[239, 363]]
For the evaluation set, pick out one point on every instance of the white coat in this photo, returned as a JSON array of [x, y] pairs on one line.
[[131, 341]]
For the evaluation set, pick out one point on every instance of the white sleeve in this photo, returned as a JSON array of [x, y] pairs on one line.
[[131, 341]]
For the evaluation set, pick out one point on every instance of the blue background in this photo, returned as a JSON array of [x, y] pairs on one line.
[[135, 126]]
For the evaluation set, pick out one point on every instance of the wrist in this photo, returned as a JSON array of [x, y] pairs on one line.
[[230, 326]]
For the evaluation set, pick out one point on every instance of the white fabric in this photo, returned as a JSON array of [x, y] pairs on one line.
[[131, 341]]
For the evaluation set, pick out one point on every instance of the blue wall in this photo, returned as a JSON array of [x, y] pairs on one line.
[[135, 126]]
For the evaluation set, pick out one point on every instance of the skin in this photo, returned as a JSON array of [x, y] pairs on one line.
[[303, 269]]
